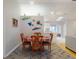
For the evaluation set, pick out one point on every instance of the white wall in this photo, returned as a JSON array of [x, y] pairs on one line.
[[11, 34], [71, 35], [63, 30], [71, 28]]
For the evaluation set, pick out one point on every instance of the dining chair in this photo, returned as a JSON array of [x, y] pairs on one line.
[[36, 43], [48, 42], [24, 40]]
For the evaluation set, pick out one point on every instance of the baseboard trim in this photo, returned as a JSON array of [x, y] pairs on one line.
[[71, 50], [12, 50]]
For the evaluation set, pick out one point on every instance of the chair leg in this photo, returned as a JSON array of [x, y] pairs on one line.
[[42, 48], [23, 46], [49, 47]]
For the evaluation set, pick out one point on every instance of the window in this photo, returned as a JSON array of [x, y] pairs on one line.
[[55, 28], [52, 28]]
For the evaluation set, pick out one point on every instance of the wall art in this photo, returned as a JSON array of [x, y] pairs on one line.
[[30, 24], [14, 22], [39, 23], [36, 28]]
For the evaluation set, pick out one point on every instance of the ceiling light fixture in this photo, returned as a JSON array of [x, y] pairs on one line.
[[52, 12], [32, 2], [59, 18]]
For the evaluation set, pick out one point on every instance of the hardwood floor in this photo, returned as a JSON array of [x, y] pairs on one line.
[[62, 45], [56, 53]]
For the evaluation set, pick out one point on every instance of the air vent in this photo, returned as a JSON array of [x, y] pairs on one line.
[[73, 0]]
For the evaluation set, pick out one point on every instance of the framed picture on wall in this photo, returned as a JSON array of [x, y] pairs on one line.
[[14, 22]]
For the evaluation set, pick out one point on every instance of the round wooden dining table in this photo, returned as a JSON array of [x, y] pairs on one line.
[[45, 38], [29, 39]]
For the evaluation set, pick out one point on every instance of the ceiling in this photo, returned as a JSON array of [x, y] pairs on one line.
[[45, 1], [65, 8]]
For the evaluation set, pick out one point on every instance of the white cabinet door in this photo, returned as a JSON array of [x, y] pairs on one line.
[[71, 43]]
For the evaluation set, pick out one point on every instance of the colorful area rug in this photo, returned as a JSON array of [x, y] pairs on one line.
[[56, 53]]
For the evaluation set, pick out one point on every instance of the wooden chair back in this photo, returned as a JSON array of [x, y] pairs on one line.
[[22, 35], [51, 34], [36, 42], [36, 38]]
